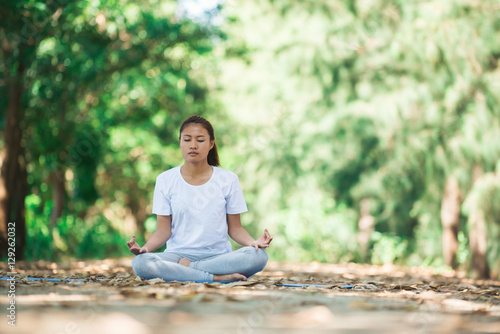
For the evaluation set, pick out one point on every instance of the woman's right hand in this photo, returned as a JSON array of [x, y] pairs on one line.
[[135, 248]]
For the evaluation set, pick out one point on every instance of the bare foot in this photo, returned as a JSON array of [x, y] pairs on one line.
[[184, 261], [230, 277]]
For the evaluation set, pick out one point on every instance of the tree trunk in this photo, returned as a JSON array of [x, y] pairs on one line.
[[58, 197], [450, 218], [366, 227], [13, 180], [477, 241], [138, 209], [477, 234]]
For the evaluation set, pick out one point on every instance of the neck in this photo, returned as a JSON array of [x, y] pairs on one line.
[[192, 169]]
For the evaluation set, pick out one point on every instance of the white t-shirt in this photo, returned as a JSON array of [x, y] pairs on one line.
[[199, 222]]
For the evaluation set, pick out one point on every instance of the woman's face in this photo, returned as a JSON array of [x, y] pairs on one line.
[[195, 143]]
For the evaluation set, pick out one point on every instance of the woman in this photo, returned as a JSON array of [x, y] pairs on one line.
[[198, 206]]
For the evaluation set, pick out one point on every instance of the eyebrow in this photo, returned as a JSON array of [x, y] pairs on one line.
[[191, 136]]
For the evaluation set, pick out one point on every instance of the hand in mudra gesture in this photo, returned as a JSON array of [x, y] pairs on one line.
[[134, 247], [263, 241]]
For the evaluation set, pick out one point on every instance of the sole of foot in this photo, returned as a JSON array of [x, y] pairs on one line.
[[230, 277]]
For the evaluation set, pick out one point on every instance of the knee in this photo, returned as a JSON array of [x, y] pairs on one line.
[[259, 258], [137, 262], [141, 264], [262, 258]]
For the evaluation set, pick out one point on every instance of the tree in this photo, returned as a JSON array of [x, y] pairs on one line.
[[378, 102], [85, 72]]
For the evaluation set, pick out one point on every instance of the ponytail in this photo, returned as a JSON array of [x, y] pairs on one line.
[[213, 156]]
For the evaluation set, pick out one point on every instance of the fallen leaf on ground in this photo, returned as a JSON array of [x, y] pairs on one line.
[[155, 281]]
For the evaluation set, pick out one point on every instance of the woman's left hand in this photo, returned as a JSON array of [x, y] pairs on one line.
[[263, 241]]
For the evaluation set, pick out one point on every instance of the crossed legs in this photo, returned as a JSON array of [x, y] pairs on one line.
[[237, 265]]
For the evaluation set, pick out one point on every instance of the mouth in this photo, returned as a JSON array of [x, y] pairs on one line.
[[193, 154]]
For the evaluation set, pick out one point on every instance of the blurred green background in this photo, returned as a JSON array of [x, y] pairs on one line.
[[364, 131]]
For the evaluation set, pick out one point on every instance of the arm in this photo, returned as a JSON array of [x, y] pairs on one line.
[[157, 239], [241, 236], [161, 234]]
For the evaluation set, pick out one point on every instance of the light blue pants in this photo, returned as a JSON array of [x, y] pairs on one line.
[[246, 261]]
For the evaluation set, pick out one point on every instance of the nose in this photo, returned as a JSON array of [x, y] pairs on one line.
[[193, 144]]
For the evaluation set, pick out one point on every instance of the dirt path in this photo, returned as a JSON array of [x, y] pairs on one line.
[[357, 298]]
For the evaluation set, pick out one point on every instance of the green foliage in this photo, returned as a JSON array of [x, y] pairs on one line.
[[72, 236], [388, 249], [101, 240], [379, 101], [39, 238], [306, 234], [106, 86]]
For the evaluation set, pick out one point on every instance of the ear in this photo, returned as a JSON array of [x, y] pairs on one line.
[[212, 143]]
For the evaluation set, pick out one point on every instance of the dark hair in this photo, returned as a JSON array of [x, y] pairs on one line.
[[213, 155]]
